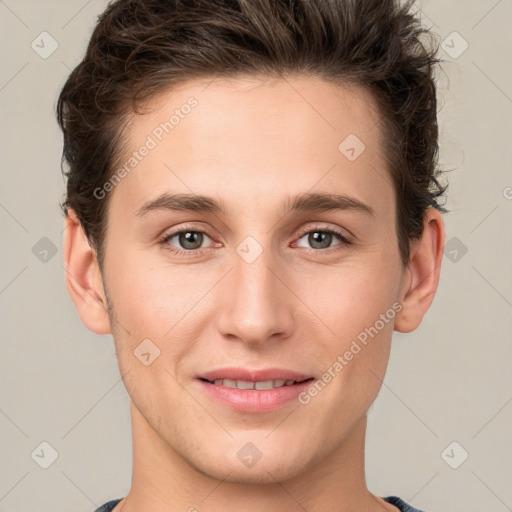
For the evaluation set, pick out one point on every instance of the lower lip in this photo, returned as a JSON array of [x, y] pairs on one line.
[[254, 400]]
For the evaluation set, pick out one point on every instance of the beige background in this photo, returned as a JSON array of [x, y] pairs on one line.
[[448, 381]]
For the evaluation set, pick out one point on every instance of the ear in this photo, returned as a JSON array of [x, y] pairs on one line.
[[422, 274], [83, 278]]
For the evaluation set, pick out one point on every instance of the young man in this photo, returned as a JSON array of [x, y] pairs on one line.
[[251, 212]]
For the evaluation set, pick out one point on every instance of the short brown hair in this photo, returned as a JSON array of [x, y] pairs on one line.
[[142, 47]]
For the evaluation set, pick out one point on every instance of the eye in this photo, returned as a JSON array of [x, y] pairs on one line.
[[186, 241], [189, 242], [322, 238]]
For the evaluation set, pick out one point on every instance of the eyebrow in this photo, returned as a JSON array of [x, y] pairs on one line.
[[303, 203]]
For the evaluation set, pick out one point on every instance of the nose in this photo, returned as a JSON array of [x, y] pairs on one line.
[[255, 304]]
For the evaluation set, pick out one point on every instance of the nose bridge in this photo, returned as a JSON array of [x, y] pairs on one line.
[[256, 306]]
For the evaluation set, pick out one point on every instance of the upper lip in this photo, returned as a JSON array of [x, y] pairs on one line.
[[249, 375]]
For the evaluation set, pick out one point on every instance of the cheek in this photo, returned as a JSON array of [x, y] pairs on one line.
[[150, 300], [355, 310], [351, 298]]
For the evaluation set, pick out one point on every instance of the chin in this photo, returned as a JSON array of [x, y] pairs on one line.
[[262, 473]]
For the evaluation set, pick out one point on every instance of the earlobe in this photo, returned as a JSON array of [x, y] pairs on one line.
[[83, 277], [423, 273]]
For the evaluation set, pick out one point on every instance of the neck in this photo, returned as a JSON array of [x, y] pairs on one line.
[[163, 481]]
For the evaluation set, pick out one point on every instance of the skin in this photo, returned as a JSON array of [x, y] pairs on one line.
[[252, 143]]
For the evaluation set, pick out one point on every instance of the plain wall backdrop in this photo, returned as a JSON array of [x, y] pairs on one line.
[[448, 382]]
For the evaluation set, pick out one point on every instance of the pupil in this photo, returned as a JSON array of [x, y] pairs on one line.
[[190, 237], [320, 237]]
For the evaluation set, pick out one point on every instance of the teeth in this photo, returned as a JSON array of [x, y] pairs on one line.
[[245, 384], [267, 384]]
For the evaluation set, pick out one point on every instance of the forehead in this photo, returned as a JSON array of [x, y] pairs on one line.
[[254, 138]]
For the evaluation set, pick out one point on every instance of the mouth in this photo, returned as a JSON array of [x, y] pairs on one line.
[[253, 391], [259, 385]]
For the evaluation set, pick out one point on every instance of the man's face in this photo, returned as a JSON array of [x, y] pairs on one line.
[[260, 285]]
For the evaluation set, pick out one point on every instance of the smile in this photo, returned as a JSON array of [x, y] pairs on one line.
[[258, 385]]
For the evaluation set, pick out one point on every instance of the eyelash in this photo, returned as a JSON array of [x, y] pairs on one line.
[[164, 241]]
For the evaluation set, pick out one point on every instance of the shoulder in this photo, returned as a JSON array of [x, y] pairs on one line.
[[107, 507], [393, 500], [401, 504]]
